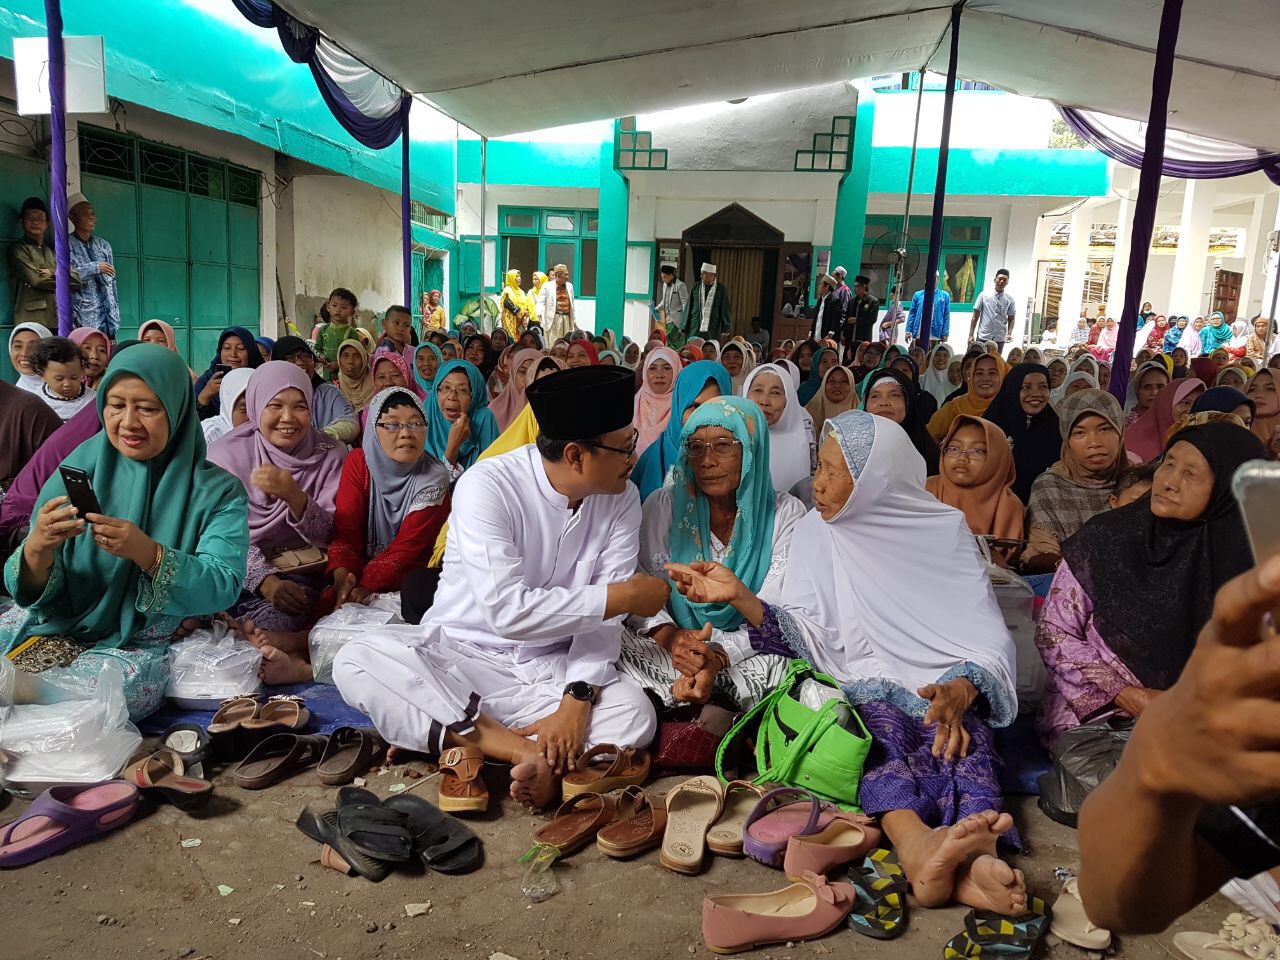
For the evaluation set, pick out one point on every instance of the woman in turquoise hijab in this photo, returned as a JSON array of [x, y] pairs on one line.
[[1216, 333], [460, 425], [823, 360], [720, 506], [698, 382], [424, 370], [171, 542]]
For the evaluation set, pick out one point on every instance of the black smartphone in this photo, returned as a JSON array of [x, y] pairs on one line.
[[1257, 487], [221, 368], [80, 490]]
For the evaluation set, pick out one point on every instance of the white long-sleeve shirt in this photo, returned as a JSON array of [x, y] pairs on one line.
[[525, 574]]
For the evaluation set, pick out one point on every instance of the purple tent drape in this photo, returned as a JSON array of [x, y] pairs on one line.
[[1144, 210], [1131, 156], [375, 130], [58, 166]]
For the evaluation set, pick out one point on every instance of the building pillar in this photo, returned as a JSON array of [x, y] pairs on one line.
[[611, 246], [1255, 292], [850, 225], [1187, 292], [1020, 261], [1120, 258], [1073, 275]]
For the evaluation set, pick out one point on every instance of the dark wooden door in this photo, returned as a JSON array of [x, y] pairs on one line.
[[1226, 293]]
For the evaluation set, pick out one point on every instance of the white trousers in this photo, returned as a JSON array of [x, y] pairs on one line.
[[416, 693]]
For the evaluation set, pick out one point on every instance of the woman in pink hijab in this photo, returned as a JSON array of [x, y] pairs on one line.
[[508, 404], [653, 400], [95, 349]]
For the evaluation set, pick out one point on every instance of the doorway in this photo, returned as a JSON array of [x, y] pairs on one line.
[[747, 252]]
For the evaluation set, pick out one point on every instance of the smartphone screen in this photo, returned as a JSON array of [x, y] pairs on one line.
[[80, 490], [221, 368], [1257, 488]]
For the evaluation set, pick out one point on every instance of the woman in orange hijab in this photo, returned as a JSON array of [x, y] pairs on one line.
[[976, 478], [981, 386]]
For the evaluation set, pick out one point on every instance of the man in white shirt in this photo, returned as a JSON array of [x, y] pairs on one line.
[[515, 659], [993, 313]]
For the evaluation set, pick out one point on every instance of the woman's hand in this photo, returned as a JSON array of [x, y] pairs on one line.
[[56, 522], [1134, 700], [947, 705], [458, 434], [694, 689], [688, 648], [705, 581], [275, 482], [121, 538], [285, 595], [210, 390]]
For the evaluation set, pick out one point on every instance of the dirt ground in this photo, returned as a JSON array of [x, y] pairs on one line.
[[138, 893]]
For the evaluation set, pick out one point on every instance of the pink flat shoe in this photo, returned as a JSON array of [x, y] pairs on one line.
[[806, 910], [844, 840]]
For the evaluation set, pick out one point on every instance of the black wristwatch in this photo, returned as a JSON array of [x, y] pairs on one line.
[[581, 690]]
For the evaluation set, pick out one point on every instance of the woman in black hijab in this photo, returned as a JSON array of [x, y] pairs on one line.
[[1022, 410], [902, 407], [926, 403]]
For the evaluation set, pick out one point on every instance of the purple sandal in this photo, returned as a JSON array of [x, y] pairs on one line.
[[780, 815], [62, 817]]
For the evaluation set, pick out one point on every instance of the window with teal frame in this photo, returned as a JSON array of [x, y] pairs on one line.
[[963, 260], [538, 238]]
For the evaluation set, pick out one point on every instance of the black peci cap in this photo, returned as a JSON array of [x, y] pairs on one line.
[[583, 402]]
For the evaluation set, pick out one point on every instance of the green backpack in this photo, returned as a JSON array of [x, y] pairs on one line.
[[796, 746]]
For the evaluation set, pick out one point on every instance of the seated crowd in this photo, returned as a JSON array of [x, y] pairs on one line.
[[592, 534]]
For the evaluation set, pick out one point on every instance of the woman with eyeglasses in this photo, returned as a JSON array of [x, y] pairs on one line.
[[460, 424], [720, 506], [976, 478]]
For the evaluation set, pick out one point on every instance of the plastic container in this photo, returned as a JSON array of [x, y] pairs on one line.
[[349, 621], [211, 665]]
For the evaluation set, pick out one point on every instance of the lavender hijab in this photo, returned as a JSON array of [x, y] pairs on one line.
[[315, 463], [398, 489]]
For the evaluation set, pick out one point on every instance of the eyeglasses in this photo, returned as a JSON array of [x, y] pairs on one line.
[[722, 447], [969, 453], [446, 391], [627, 452], [391, 427]]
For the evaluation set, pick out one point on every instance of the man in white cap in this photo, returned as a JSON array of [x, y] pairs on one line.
[[674, 297], [95, 304], [707, 314]]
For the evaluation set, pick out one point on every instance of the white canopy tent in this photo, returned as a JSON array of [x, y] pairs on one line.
[[524, 66]]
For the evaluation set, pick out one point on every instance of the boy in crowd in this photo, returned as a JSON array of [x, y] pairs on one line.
[[397, 329], [341, 308], [1134, 484], [61, 369]]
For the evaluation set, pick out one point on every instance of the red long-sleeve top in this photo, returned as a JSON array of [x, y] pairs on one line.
[[411, 548]]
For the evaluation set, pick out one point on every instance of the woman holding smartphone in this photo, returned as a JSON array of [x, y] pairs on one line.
[[170, 542]]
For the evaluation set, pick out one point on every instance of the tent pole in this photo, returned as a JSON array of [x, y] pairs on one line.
[[484, 171], [911, 179], [940, 186], [406, 220], [58, 164], [1144, 210]]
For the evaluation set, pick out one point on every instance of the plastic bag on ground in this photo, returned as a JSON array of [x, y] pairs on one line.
[[349, 621], [211, 665], [81, 734]]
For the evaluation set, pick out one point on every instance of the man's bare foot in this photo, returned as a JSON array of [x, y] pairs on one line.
[[931, 860], [286, 641], [279, 668], [533, 782], [988, 883]]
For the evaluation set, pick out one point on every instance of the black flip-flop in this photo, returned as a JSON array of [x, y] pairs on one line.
[[366, 834], [442, 842]]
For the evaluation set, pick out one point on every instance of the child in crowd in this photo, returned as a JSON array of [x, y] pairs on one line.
[[397, 330], [341, 308], [1134, 484], [60, 367]]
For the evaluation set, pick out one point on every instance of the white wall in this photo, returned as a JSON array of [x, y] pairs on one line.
[[979, 118]]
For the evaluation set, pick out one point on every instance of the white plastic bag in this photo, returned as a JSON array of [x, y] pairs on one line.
[[349, 621], [1017, 601], [211, 665], [80, 734]]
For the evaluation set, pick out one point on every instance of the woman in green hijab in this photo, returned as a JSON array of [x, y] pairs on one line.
[[171, 541]]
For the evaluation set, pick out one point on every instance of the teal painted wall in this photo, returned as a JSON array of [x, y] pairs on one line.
[[850, 224], [531, 164], [1002, 173], [611, 251], [170, 57]]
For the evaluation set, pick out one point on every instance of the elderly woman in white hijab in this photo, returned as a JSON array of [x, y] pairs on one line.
[[1084, 365], [231, 405], [934, 378], [920, 649], [737, 358], [793, 448]]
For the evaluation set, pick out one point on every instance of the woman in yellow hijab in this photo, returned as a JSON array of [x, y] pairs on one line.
[[982, 385], [517, 309]]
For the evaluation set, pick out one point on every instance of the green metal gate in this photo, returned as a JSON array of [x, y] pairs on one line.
[[184, 230]]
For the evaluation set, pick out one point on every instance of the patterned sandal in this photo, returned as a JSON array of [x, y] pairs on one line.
[[989, 934], [462, 788], [880, 911]]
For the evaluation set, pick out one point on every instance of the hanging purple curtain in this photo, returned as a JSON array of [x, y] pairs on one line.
[[1131, 153]]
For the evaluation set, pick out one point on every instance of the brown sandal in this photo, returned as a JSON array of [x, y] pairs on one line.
[[233, 712], [280, 714], [573, 828], [639, 826], [462, 788], [740, 798], [279, 756], [350, 753], [629, 768]]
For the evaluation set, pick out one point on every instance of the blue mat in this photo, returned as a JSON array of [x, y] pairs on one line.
[[328, 710], [1024, 758]]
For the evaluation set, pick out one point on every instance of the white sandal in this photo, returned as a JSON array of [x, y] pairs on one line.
[[1072, 924], [1240, 935]]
